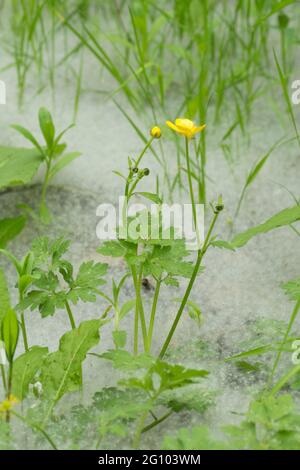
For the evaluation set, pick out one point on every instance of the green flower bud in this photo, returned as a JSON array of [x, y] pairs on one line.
[[283, 20]]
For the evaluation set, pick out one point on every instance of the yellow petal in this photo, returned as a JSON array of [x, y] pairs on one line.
[[172, 126], [199, 128], [184, 123]]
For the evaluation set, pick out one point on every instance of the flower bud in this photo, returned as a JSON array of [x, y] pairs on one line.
[[283, 20], [146, 172], [135, 170], [219, 206], [155, 132]]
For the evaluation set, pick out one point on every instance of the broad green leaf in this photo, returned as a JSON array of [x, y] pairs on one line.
[[63, 162], [10, 333], [18, 165], [25, 368], [61, 370], [10, 228], [47, 126], [285, 217], [4, 296]]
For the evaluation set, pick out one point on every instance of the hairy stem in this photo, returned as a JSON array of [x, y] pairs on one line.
[[152, 317], [70, 315]]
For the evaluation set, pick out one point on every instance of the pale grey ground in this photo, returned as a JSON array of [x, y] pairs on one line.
[[236, 288]]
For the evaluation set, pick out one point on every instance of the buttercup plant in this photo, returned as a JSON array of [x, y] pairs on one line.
[[161, 259], [89, 358]]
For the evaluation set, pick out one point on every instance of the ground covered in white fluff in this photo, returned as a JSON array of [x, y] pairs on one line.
[[239, 293]]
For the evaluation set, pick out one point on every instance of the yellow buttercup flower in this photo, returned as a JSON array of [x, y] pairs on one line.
[[155, 132], [8, 403], [185, 127]]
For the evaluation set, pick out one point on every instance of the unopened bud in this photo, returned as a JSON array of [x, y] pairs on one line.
[[219, 206], [283, 20], [155, 132]]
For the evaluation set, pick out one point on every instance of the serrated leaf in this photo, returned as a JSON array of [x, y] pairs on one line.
[[194, 398], [112, 248], [292, 288], [197, 438], [127, 362]]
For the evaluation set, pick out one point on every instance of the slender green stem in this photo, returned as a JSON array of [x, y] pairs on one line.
[[152, 317], [9, 387], [24, 332], [139, 302], [3, 377], [188, 165], [157, 421], [139, 309], [144, 151], [203, 168], [136, 317], [70, 315], [200, 255], [290, 325], [45, 184], [23, 324], [137, 437], [283, 50], [240, 202], [278, 386]]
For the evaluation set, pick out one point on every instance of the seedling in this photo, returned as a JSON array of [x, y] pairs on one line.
[[52, 153]]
